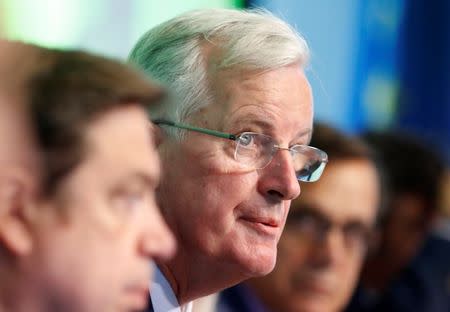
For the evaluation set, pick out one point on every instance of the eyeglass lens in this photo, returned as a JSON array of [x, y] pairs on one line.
[[257, 150]]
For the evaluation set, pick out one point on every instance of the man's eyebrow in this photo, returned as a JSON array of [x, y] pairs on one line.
[[142, 178], [306, 210], [301, 210], [260, 121], [266, 123], [305, 132], [358, 223]]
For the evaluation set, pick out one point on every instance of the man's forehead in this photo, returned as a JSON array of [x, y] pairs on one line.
[[326, 196], [301, 130], [329, 212], [122, 135], [264, 101]]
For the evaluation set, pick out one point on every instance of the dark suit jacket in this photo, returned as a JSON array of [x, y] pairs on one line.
[[239, 299], [423, 287], [150, 305]]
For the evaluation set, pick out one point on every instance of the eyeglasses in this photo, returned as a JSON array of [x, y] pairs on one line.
[[256, 151], [314, 228]]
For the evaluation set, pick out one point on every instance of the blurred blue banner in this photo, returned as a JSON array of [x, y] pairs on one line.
[[377, 64], [424, 106]]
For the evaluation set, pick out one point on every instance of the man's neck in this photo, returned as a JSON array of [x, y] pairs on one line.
[[170, 277], [192, 278]]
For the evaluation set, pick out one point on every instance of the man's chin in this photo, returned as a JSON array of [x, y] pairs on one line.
[[311, 304], [259, 264]]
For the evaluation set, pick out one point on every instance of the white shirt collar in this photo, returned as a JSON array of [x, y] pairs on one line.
[[162, 296]]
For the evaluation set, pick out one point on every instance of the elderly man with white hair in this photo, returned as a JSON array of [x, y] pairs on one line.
[[234, 144]]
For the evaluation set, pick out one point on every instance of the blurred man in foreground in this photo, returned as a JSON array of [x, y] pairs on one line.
[[326, 237], [236, 131], [78, 218]]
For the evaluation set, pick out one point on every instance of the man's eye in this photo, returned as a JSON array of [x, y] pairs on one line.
[[305, 224], [309, 224], [357, 235], [246, 139], [130, 200], [134, 199]]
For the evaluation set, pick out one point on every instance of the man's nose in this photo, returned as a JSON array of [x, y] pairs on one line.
[[278, 178]]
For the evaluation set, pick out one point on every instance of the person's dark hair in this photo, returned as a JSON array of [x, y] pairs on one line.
[[65, 93], [338, 145], [341, 146], [410, 166]]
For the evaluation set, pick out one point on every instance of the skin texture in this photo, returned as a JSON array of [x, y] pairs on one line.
[[228, 219], [87, 248], [319, 276]]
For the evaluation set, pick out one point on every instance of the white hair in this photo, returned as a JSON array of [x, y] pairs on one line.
[[174, 53]]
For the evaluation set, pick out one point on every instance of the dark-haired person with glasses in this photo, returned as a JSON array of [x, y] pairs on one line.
[[234, 144], [325, 239]]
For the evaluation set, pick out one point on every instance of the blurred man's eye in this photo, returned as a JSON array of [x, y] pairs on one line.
[[306, 225], [130, 200], [357, 236]]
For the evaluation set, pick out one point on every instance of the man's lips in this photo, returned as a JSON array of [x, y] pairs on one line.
[[317, 289], [268, 221], [264, 225], [315, 286]]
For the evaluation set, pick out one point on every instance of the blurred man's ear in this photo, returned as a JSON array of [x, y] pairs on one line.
[[15, 198]]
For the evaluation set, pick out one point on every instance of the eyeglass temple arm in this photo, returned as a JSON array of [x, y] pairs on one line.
[[192, 128]]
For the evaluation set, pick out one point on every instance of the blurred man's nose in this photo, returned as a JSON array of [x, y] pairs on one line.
[[330, 249], [157, 240]]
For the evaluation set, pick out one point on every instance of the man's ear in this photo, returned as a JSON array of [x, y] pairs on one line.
[[157, 133], [15, 197]]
